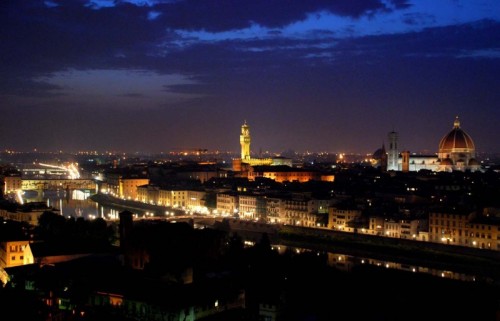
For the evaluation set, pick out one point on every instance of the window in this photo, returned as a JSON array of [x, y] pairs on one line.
[[13, 258]]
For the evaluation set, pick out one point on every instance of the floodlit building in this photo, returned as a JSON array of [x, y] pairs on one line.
[[12, 183], [15, 253], [246, 160], [227, 204], [252, 206], [456, 151], [466, 229], [343, 219], [123, 184], [282, 174], [303, 211]]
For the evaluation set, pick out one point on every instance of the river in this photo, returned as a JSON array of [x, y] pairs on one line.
[[77, 203]]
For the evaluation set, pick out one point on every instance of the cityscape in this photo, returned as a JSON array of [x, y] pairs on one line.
[[342, 212], [267, 161]]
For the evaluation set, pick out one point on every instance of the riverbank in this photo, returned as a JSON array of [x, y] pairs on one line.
[[483, 263], [133, 206]]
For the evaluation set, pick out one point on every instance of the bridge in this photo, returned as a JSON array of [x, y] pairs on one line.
[[57, 184]]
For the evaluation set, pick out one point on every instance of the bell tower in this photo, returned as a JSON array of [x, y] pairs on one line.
[[245, 142], [393, 154]]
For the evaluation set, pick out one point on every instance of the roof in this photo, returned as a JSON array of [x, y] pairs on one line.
[[379, 153], [456, 139], [280, 168]]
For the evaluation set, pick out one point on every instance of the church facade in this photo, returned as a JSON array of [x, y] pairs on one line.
[[456, 151]]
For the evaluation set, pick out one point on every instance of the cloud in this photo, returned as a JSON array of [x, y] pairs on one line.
[[41, 44], [226, 15], [111, 89], [17, 86], [400, 4], [493, 53], [418, 19]]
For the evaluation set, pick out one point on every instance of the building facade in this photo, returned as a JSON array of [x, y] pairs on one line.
[[15, 253], [456, 151], [465, 230]]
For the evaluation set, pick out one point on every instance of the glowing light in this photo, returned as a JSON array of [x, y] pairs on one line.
[[19, 194], [71, 169]]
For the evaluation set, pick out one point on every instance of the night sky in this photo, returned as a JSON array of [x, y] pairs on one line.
[[335, 76]]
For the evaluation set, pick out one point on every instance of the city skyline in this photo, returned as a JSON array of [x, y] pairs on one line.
[[154, 76]]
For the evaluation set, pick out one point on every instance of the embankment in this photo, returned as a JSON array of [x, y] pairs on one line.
[[475, 261]]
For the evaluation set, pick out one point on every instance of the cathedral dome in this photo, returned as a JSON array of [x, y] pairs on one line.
[[456, 141], [379, 154]]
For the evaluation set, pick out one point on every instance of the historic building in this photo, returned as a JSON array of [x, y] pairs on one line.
[[15, 253], [392, 155], [242, 164], [465, 229], [456, 151], [283, 173]]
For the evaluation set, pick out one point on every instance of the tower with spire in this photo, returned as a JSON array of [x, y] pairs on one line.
[[242, 164]]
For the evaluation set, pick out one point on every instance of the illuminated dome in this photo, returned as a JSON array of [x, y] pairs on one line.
[[456, 140], [456, 149]]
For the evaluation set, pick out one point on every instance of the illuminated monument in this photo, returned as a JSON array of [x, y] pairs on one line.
[[456, 151], [246, 160], [245, 142], [392, 157]]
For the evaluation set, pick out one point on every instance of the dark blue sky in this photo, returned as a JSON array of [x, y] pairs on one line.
[[306, 75]]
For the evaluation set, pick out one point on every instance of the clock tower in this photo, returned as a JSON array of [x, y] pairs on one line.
[[245, 142]]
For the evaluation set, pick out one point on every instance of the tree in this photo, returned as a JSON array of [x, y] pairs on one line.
[[51, 225]]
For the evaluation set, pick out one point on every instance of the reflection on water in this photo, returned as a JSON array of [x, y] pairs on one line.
[[346, 263], [75, 203]]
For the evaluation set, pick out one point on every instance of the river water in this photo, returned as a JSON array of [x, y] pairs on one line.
[[77, 203]]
